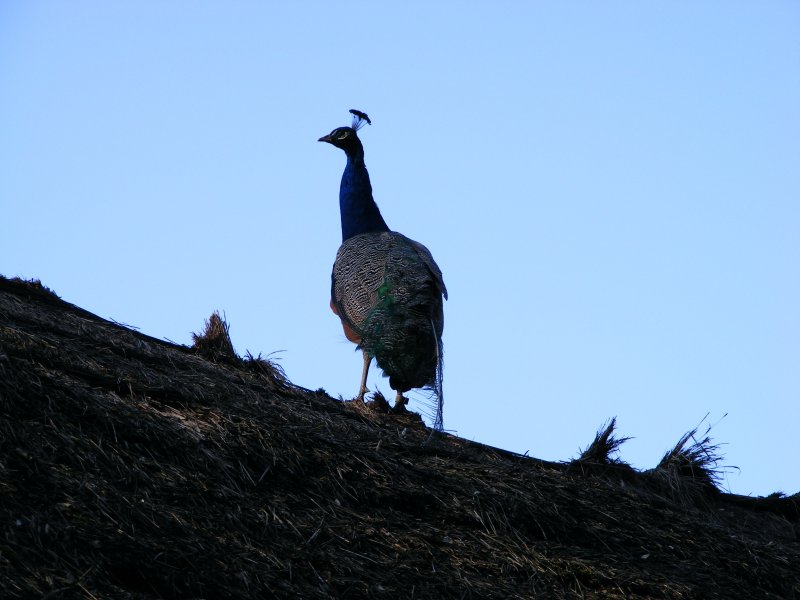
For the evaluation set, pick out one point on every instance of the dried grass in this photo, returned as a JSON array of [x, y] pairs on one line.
[[690, 471], [604, 449], [215, 341], [697, 461], [134, 468]]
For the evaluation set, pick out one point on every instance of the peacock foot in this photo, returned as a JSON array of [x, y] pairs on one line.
[[400, 404]]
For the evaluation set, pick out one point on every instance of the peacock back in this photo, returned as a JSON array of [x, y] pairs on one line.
[[388, 289]]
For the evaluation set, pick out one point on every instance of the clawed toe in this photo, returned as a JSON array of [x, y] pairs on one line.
[[400, 404]]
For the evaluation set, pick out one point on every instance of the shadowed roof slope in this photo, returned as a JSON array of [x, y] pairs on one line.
[[131, 467]]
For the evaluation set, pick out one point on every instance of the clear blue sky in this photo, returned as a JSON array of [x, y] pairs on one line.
[[612, 191]]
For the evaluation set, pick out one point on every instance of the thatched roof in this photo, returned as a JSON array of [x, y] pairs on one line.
[[135, 468]]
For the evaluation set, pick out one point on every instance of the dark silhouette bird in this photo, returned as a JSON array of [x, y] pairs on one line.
[[386, 288]]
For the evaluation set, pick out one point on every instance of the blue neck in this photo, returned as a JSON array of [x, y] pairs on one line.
[[358, 210]]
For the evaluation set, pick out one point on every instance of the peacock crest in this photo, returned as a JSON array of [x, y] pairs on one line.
[[359, 118]]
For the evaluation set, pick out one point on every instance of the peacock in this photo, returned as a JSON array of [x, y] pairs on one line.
[[386, 288]]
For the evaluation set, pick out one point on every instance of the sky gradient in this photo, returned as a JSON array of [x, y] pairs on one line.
[[611, 190]]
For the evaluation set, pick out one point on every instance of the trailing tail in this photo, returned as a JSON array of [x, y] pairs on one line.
[[438, 421]]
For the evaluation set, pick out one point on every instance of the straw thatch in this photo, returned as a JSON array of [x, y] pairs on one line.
[[604, 449], [131, 467]]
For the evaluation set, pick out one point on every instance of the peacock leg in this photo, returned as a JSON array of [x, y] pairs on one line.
[[400, 403], [363, 389]]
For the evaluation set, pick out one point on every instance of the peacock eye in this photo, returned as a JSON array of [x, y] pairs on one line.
[[342, 135]]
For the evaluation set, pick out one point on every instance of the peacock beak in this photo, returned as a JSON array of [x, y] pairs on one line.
[[325, 138]]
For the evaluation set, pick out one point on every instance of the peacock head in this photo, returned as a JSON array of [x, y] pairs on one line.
[[346, 138]]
